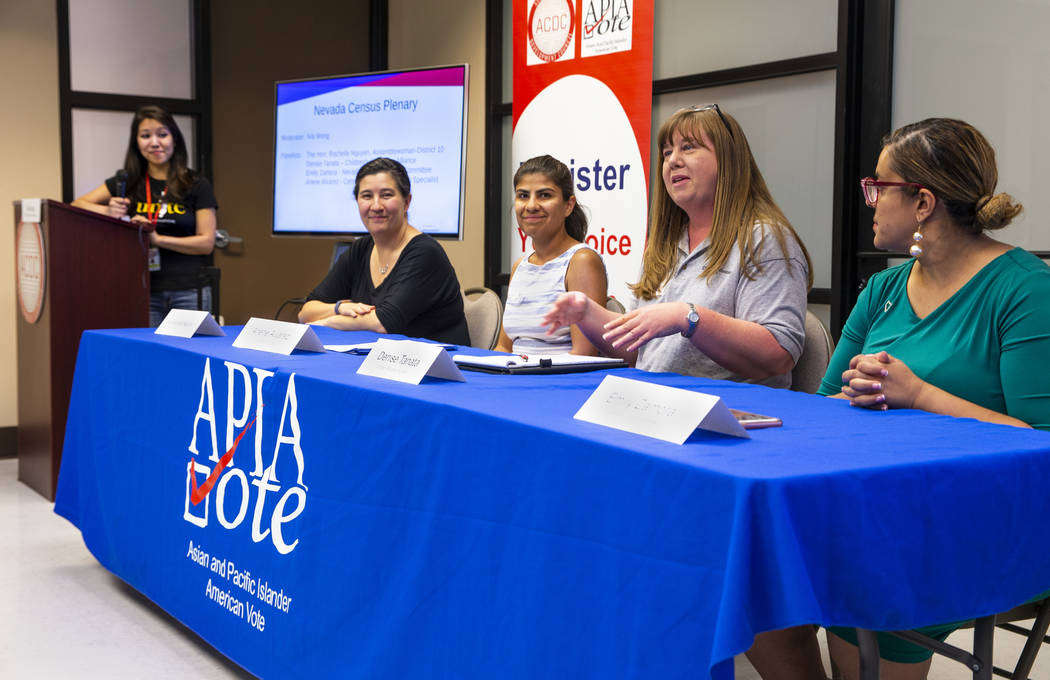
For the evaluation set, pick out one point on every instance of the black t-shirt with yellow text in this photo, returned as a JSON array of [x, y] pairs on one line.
[[176, 216]]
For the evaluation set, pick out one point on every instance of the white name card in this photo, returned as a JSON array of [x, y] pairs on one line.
[[185, 323], [31, 210], [279, 337], [408, 361], [658, 411]]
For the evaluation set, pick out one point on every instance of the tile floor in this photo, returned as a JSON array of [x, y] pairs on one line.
[[63, 616]]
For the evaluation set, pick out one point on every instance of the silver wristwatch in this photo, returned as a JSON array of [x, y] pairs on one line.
[[693, 319]]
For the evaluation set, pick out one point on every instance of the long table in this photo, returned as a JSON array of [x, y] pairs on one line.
[[365, 528]]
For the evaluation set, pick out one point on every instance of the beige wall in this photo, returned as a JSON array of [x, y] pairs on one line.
[[30, 162], [245, 63], [253, 45], [430, 34]]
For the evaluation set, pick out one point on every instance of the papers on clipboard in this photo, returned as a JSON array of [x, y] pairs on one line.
[[535, 363]]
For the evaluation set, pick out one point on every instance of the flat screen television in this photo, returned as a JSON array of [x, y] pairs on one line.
[[325, 129]]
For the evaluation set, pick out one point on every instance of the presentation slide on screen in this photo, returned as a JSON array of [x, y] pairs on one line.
[[326, 130]]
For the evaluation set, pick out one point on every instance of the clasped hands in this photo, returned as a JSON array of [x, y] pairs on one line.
[[628, 331], [880, 381]]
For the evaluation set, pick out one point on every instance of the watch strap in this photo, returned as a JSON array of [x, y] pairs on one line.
[[693, 319]]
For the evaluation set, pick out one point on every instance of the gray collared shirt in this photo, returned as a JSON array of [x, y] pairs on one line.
[[776, 299]]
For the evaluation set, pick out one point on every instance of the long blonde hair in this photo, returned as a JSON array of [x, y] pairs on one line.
[[741, 200]]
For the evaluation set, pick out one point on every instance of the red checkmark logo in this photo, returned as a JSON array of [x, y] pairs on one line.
[[198, 493]]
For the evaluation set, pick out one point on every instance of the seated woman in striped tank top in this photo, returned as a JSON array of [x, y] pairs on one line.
[[559, 261]]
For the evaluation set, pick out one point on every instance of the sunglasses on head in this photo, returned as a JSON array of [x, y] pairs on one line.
[[717, 110]]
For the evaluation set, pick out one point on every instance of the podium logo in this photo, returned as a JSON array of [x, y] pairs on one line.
[[30, 272], [607, 27], [218, 480], [550, 29]]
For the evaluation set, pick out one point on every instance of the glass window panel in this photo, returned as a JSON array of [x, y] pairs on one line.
[[508, 51], [986, 64], [100, 140], [790, 125], [140, 47], [691, 36], [510, 224]]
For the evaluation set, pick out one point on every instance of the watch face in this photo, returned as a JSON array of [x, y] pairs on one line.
[[693, 318]]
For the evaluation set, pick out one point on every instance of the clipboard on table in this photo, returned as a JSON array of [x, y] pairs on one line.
[[536, 363]]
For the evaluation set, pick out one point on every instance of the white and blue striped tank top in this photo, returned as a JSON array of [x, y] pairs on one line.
[[530, 296]]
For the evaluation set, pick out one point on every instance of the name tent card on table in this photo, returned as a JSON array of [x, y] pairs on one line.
[[658, 411], [185, 323], [408, 361], [279, 337]]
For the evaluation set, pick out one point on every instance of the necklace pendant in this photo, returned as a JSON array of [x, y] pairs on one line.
[[382, 269]]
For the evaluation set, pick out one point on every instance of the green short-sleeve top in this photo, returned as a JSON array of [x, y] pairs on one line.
[[989, 343]]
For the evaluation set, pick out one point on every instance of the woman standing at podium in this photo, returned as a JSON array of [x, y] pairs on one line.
[[160, 189]]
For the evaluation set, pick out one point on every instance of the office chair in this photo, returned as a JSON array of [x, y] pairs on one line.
[[980, 660], [484, 312], [338, 249], [199, 280], [816, 353]]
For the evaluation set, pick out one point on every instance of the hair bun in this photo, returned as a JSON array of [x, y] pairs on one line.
[[995, 212]]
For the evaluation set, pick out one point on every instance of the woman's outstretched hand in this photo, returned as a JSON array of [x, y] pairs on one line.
[[634, 329], [568, 309]]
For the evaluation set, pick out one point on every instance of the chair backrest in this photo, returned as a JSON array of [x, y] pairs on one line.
[[816, 354], [614, 305], [199, 280], [484, 312]]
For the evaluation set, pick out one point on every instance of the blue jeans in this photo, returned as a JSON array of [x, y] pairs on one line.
[[162, 302]]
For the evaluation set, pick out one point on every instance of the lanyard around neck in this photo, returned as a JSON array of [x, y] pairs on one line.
[[150, 212]]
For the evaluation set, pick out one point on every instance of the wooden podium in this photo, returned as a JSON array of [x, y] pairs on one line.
[[76, 270]]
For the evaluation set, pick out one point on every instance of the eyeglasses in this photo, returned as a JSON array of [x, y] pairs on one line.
[[717, 110], [870, 187]]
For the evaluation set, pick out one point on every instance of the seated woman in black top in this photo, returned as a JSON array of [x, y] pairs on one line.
[[395, 280]]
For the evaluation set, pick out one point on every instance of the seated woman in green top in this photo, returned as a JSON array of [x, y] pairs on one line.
[[963, 328]]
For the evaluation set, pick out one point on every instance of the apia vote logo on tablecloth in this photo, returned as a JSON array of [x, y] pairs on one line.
[[217, 487]]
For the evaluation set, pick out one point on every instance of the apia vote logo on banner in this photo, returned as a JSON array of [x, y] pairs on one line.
[[583, 94], [607, 27], [217, 486]]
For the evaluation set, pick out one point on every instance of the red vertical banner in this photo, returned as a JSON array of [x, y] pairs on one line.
[[583, 74]]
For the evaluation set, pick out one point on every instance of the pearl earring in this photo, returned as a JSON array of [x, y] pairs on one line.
[[916, 249]]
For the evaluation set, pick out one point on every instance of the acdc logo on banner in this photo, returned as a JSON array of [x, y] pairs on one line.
[[551, 25], [269, 520]]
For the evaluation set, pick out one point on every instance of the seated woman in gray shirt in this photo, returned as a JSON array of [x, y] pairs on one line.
[[724, 275], [722, 295]]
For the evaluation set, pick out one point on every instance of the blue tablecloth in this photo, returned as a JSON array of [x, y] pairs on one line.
[[477, 530]]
